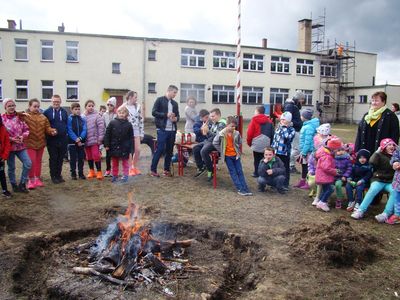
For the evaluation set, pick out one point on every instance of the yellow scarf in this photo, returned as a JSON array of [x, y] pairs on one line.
[[374, 115]]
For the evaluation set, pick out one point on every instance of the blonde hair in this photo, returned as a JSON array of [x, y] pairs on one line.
[[123, 109]]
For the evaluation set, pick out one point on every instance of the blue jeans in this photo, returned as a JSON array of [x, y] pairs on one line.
[[76, 155], [374, 189], [397, 203], [235, 170], [165, 145], [274, 181], [359, 192], [26, 165], [327, 190]]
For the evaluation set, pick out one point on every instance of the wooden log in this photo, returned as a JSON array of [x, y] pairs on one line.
[[91, 271]]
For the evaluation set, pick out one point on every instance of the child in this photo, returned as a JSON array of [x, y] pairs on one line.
[[118, 141], [361, 174], [5, 147], [326, 170], [94, 138], [190, 114], [282, 143], [272, 172], [39, 127], [108, 116], [343, 165], [395, 161], [102, 110], [18, 132], [228, 142], [76, 128], [306, 145], [136, 119]]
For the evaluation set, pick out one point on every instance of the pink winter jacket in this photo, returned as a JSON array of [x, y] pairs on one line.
[[325, 171], [15, 127], [95, 129]]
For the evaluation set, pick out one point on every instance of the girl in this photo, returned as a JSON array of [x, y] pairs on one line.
[[108, 116], [190, 114], [94, 138], [18, 131], [39, 127], [395, 161], [326, 171], [343, 165], [5, 147], [136, 119], [118, 141]]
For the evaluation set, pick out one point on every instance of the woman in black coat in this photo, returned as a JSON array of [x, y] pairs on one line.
[[118, 140]]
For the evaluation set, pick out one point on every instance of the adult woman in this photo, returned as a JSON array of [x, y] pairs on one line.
[[38, 126], [18, 131], [190, 113], [396, 109], [377, 124]]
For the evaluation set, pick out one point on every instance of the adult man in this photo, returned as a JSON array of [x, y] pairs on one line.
[[201, 152], [166, 115], [57, 144]]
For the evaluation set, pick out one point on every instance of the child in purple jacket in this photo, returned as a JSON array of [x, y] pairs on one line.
[[344, 166]]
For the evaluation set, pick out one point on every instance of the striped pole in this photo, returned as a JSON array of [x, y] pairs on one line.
[[238, 72]]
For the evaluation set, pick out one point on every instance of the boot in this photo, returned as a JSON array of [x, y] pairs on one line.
[[31, 184], [99, 175], [15, 188], [300, 183], [38, 182], [22, 188], [91, 174], [305, 186]]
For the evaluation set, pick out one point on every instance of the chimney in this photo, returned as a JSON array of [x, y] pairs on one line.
[[304, 39], [264, 43], [12, 24], [61, 28]]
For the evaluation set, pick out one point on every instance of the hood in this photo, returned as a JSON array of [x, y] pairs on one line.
[[262, 119], [313, 122], [322, 151]]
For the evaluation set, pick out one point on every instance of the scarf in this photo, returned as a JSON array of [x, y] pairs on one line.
[[374, 115]]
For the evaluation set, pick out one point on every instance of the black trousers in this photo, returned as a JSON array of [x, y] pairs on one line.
[[76, 156], [56, 157], [3, 176], [257, 156], [286, 162]]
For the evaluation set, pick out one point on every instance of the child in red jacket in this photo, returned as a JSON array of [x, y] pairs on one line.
[[4, 152]]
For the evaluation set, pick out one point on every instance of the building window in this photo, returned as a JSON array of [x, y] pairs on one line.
[[1, 51], [151, 55], [253, 62], [350, 99], [223, 94], [72, 90], [22, 89], [224, 60], [47, 50], [72, 51], [151, 88], [278, 95], [197, 91], [363, 99], [280, 64], [252, 95], [1, 89], [305, 66], [116, 68], [328, 70], [21, 49], [192, 57], [327, 98], [307, 97], [47, 89]]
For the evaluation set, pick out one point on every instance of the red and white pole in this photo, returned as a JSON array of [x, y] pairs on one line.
[[238, 72]]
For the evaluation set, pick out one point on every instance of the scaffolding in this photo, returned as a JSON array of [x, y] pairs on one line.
[[337, 74]]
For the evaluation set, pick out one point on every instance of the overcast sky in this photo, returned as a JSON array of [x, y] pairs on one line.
[[374, 25]]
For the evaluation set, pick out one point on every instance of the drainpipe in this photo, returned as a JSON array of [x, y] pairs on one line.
[[144, 77]]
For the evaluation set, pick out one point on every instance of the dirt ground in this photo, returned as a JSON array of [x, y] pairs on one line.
[[271, 246]]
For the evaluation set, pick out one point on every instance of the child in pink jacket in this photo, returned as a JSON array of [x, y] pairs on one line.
[[326, 171]]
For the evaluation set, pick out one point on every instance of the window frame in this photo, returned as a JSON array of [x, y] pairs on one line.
[[308, 97], [363, 99], [116, 70], [250, 60], [21, 86], [220, 89], [153, 90], [227, 56], [47, 87], [281, 63], [193, 55], [69, 85], [69, 47], [22, 46], [196, 90], [42, 47], [150, 57], [303, 67], [283, 92], [332, 70], [257, 90], [327, 98]]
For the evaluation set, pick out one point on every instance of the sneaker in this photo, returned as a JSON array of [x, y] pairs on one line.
[[6, 194], [107, 173], [91, 174], [38, 182], [73, 177], [300, 183], [281, 191], [138, 172], [167, 173], [209, 176], [132, 172], [61, 180], [15, 188], [315, 202], [338, 204], [31, 184], [357, 214], [55, 180], [81, 176], [22, 188], [286, 189], [323, 206], [381, 218], [242, 193], [124, 178], [254, 175], [393, 220], [200, 171], [99, 175], [305, 186], [350, 206], [114, 179], [154, 174], [248, 193], [357, 206]]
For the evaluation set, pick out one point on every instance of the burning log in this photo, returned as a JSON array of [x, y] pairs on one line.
[[157, 265], [129, 259]]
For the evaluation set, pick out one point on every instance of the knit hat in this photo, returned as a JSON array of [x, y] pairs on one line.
[[349, 148], [287, 116], [6, 100], [298, 95], [385, 142], [363, 152], [307, 113], [112, 101], [324, 129], [334, 143]]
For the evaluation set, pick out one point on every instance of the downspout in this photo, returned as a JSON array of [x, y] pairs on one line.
[[144, 78]]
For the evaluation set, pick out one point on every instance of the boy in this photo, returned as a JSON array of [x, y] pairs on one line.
[[228, 142], [282, 143], [76, 128], [271, 171]]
